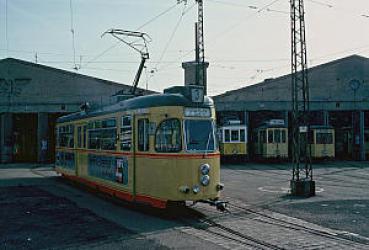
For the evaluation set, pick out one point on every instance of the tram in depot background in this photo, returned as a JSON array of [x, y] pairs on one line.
[[152, 149], [232, 137], [322, 142], [270, 140]]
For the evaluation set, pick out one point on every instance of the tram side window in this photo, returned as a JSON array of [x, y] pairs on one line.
[[168, 136], [242, 135], [277, 136], [143, 134], [93, 140], [324, 138], [227, 135], [66, 136], [71, 137], [284, 136], [234, 136], [84, 136], [108, 137], [270, 136], [79, 137], [126, 133], [102, 134]]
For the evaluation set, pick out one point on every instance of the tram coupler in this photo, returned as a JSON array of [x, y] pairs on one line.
[[220, 205]]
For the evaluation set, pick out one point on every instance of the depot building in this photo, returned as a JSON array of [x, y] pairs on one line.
[[339, 98], [33, 96]]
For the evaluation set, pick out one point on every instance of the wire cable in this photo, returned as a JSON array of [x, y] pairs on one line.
[[140, 27], [230, 28], [73, 35], [321, 3], [6, 28], [171, 36]]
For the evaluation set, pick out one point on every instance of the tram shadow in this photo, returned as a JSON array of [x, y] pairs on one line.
[[288, 165], [257, 166], [174, 210]]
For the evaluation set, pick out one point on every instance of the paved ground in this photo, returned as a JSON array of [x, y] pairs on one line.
[[40, 211], [342, 200]]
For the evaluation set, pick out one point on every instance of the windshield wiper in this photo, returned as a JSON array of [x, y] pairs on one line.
[[207, 145]]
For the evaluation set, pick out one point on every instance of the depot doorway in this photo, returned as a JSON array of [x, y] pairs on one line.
[[25, 137]]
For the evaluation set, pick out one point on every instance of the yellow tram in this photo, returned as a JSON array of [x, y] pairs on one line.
[[270, 140], [151, 149], [322, 142], [233, 141]]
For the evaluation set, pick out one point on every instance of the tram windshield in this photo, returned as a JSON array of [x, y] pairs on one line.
[[199, 135]]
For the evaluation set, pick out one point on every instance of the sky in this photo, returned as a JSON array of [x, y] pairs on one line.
[[246, 41]]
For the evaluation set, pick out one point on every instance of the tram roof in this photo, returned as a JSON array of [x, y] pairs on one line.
[[148, 101]]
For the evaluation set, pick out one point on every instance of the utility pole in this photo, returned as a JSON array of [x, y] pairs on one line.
[[200, 47], [302, 183], [195, 71]]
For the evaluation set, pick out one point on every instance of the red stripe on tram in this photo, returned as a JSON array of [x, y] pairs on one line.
[[117, 193]]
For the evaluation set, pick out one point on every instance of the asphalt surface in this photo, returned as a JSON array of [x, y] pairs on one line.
[[35, 218], [39, 210], [341, 201]]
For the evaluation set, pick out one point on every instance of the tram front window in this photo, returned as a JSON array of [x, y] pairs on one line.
[[199, 135]]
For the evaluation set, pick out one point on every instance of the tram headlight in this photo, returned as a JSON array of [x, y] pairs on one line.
[[205, 169], [205, 179], [195, 189]]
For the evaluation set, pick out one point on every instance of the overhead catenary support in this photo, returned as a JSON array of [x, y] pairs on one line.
[[302, 183], [200, 48]]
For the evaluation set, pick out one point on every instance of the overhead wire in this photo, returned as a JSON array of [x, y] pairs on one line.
[[140, 27], [321, 3], [232, 4], [259, 10], [184, 12], [6, 28], [73, 35]]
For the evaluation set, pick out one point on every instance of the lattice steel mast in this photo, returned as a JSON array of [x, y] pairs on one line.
[[302, 173], [200, 47]]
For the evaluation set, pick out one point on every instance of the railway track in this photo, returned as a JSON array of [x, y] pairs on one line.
[[215, 227], [218, 229], [221, 235]]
